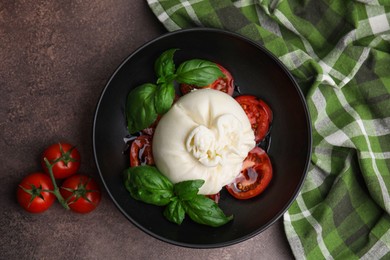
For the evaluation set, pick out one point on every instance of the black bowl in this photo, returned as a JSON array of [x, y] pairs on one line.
[[256, 72]]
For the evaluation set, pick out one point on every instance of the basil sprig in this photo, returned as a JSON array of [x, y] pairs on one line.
[[163, 98], [198, 72], [164, 66], [140, 109], [144, 103], [147, 184]]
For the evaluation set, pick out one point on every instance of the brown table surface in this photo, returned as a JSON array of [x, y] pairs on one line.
[[55, 58]]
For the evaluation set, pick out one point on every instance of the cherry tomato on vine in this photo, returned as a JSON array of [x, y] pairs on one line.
[[81, 193], [141, 151], [64, 156], [33, 193], [254, 177], [259, 114], [224, 84]]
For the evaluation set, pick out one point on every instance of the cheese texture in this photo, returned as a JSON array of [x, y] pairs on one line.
[[205, 135]]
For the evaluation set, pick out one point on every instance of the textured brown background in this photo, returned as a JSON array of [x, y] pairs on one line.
[[55, 58]]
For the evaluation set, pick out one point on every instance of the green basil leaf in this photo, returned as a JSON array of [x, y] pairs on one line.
[[198, 72], [186, 190], [147, 184], [140, 109], [164, 97], [205, 211], [164, 66], [174, 212]]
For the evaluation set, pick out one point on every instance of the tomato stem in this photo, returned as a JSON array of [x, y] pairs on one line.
[[56, 190], [34, 192]]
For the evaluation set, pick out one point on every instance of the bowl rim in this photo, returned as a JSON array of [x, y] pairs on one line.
[[308, 126]]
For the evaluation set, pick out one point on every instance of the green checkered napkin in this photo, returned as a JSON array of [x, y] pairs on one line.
[[339, 53]]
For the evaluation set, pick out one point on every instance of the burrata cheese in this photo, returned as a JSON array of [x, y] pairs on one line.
[[205, 135]]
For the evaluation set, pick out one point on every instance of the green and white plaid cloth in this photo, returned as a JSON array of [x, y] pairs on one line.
[[339, 53]]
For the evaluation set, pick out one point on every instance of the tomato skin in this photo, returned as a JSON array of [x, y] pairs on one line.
[[65, 167], [43, 183], [81, 192], [255, 176], [259, 114], [224, 84], [141, 151]]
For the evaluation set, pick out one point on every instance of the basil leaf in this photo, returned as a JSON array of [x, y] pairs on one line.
[[164, 97], [164, 66], [198, 72], [187, 190], [174, 212], [205, 211], [147, 184], [140, 109]]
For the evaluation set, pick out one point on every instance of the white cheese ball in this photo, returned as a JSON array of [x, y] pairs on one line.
[[205, 135]]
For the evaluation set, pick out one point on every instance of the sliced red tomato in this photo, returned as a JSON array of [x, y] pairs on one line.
[[224, 84], [141, 151], [259, 114], [254, 177]]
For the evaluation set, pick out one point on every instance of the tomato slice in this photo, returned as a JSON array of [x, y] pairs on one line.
[[141, 151], [259, 114], [224, 84], [254, 177]]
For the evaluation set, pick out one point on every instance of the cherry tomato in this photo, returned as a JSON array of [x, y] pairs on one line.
[[33, 193], [259, 114], [141, 151], [224, 84], [81, 193], [65, 157], [254, 177]]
